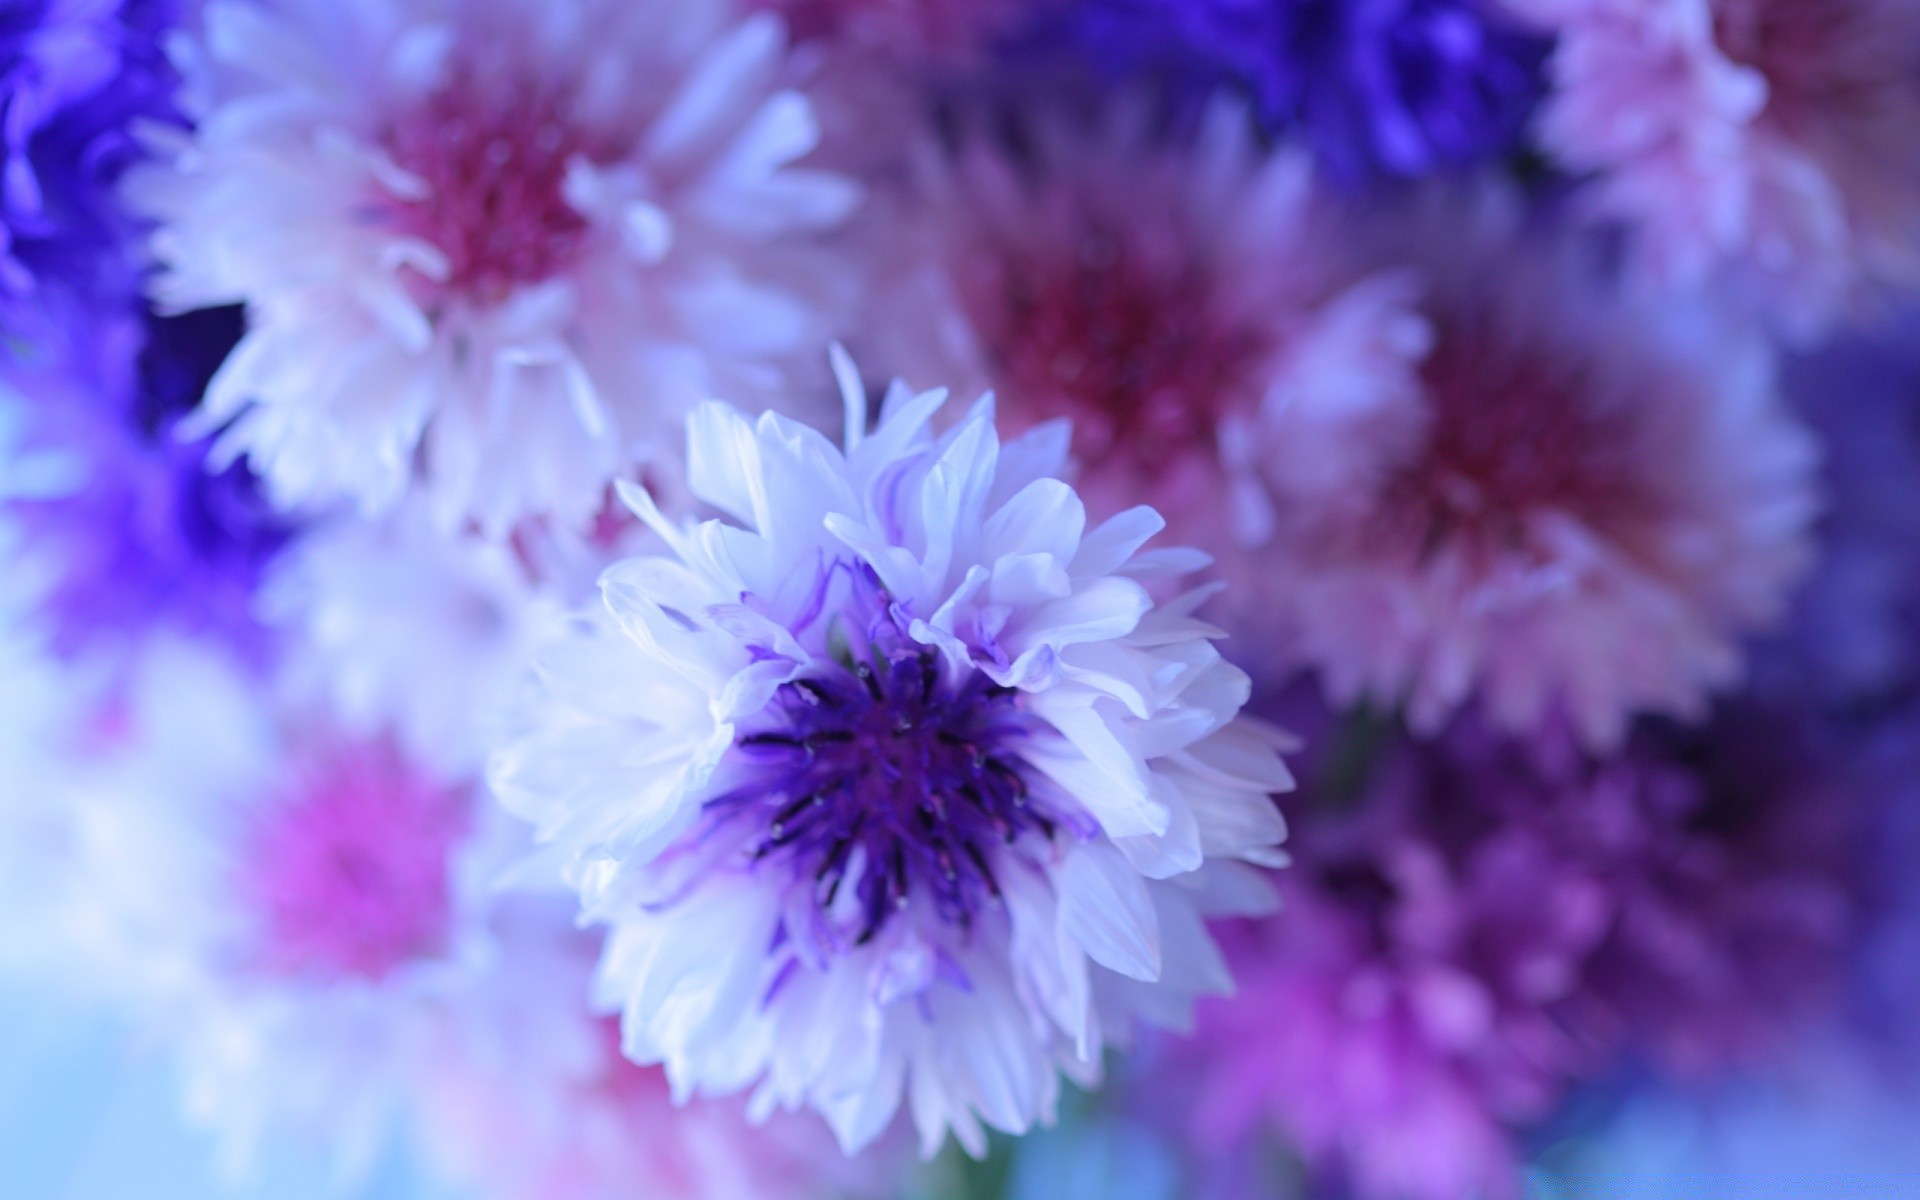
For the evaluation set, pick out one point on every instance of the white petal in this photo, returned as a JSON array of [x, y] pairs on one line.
[[1106, 911]]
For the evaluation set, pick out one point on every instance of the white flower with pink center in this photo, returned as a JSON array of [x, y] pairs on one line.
[[494, 249], [1172, 295], [1584, 508], [1761, 147], [895, 785], [293, 907]]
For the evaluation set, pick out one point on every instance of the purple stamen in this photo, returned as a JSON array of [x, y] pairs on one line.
[[892, 754]]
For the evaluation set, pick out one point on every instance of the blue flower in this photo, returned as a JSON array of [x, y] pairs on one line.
[[75, 78], [1378, 88]]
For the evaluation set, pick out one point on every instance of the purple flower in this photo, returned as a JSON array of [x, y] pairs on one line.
[[75, 76], [1398, 88], [134, 528], [1485, 924]]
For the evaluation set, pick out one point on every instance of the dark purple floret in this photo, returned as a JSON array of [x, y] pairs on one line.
[[1394, 88], [75, 80], [892, 779]]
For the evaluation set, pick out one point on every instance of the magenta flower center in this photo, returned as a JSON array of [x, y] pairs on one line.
[[1518, 431], [1121, 336], [1791, 43], [493, 152], [883, 781], [348, 874]]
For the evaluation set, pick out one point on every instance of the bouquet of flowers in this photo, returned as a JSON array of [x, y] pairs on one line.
[[962, 598]]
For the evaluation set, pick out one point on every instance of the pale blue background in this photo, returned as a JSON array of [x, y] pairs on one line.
[[83, 1117]]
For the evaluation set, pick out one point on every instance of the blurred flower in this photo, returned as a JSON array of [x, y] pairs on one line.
[[900, 786], [1376, 88], [286, 906], [138, 534], [527, 1097], [1581, 508], [1166, 294], [1759, 145], [348, 871], [75, 77], [1494, 922], [500, 246], [1506, 483]]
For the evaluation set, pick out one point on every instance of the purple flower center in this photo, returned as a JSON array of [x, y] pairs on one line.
[[884, 780], [348, 873]]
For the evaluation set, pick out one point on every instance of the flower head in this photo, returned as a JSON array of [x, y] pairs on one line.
[[1376, 88], [289, 906], [1162, 292], [1759, 146], [75, 77], [494, 248], [1495, 922], [897, 781], [1582, 506]]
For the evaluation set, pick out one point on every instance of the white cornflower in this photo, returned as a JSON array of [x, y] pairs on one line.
[[897, 784], [494, 246]]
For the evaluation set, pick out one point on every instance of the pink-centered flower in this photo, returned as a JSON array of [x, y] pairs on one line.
[[1169, 294], [494, 249], [346, 871], [290, 906], [1582, 506]]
